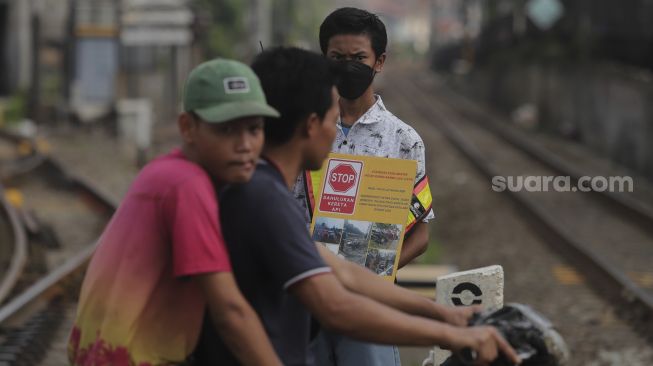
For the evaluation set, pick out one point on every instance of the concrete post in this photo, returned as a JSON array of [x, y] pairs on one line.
[[135, 125], [481, 286]]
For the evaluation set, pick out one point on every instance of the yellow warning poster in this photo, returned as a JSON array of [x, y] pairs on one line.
[[361, 207]]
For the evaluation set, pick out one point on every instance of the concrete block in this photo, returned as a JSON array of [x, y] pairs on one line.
[[481, 286]]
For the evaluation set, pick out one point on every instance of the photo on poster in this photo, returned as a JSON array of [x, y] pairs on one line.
[[380, 261], [355, 237], [328, 231], [385, 236]]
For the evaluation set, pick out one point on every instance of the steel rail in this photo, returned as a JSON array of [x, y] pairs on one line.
[[605, 278], [637, 211], [19, 253], [43, 288]]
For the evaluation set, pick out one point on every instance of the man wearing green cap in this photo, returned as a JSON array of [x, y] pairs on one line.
[[162, 259]]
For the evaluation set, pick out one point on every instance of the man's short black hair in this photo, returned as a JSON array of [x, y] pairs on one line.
[[354, 21], [296, 83]]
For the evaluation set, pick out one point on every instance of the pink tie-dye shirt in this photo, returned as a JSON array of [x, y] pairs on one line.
[[137, 304]]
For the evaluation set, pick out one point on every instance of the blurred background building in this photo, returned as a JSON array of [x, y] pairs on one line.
[[580, 69], [72, 59]]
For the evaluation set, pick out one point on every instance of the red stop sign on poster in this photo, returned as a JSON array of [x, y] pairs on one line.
[[342, 178], [341, 186]]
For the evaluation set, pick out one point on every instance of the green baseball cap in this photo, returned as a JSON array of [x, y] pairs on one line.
[[221, 90]]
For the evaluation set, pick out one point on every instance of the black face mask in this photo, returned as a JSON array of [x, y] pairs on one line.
[[355, 78]]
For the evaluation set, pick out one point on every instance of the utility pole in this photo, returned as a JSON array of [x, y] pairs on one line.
[[260, 24], [283, 12], [34, 105]]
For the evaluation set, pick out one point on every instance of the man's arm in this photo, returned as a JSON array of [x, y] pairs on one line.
[[362, 281], [415, 244], [359, 317], [235, 320]]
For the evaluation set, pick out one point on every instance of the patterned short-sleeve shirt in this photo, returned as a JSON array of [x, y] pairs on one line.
[[377, 133]]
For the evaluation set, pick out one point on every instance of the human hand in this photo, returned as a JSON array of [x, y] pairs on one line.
[[459, 315], [484, 342]]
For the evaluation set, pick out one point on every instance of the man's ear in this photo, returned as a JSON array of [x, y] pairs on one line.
[[378, 66], [312, 126], [187, 127]]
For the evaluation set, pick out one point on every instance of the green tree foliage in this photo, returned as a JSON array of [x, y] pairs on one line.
[[13, 109], [297, 22], [222, 30]]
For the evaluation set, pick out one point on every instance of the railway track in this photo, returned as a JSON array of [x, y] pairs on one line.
[[49, 205], [628, 205], [607, 236], [13, 249]]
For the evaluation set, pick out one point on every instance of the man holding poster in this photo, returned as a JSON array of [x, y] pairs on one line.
[[357, 40]]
